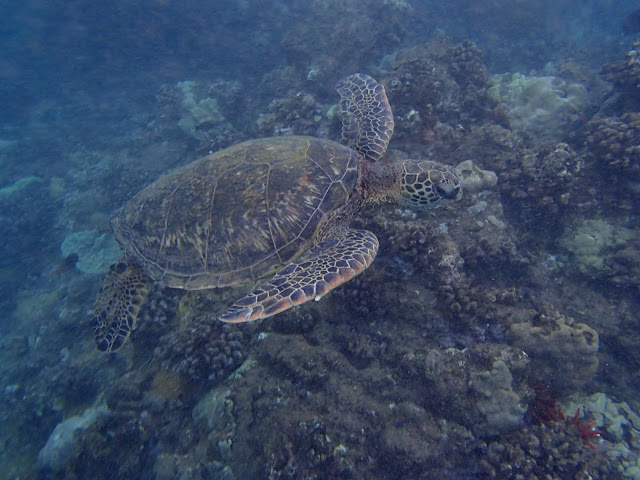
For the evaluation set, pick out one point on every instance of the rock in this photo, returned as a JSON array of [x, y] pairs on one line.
[[96, 252], [498, 402], [61, 446], [214, 413], [473, 178], [18, 185], [198, 111]]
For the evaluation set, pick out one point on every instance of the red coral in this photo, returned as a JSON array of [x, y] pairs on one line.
[[544, 409], [588, 431]]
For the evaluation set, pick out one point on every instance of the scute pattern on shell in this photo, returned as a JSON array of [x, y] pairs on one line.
[[238, 214]]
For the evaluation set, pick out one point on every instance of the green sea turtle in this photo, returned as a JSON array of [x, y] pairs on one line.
[[276, 208]]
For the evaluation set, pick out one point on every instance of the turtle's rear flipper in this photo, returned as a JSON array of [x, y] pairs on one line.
[[116, 309], [330, 264]]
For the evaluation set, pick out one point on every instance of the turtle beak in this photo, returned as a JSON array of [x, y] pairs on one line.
[[448, 191]]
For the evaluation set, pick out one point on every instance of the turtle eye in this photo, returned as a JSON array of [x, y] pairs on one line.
[[434, 184], [446, 190]]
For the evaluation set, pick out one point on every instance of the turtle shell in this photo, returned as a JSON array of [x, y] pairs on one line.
[[238, 214]]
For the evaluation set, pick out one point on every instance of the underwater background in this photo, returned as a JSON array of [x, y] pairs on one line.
[[495, 338]]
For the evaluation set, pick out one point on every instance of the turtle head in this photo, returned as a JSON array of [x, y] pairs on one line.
[[428, 184]]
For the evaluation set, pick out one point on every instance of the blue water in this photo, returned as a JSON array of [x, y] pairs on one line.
[[466, 348]]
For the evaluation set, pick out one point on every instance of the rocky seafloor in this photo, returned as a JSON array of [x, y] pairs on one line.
[[493, 338]]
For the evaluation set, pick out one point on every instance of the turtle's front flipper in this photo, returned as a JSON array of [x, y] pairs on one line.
[[116, 309], [325, 267], [367, 120]]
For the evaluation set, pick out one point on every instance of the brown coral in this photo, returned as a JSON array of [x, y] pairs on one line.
[[615, 142], [546, 190], [203, 352], [297, 113], [554, 450], [625, 74], [561, 349], [437, 90]]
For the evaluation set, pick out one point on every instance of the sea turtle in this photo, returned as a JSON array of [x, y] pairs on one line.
[[276, 208]]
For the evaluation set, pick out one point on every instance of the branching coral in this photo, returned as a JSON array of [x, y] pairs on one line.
[[615, 142], [203, 351], [545, 190], [554, 450], [436, 90], [625, 74], [297, 113]]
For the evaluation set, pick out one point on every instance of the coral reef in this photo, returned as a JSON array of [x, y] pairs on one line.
[[625, 74], [197, 109], [551, 445], [480, 387], [296, 114], [420, 368], [329, 414], [435, 259], [553, 450], [562, 351], [147, 429], [437, 89], [362, 349], [618, 423], [157, 317], [178, 332], [617, 419], [421, 260], [541, 107], [497, 401], [594, 246], [321, 56], [202, 352], [215, 412], [468, 69], [197, 112], [28, 212], [545, 190], [614, 144], [18, 185]]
